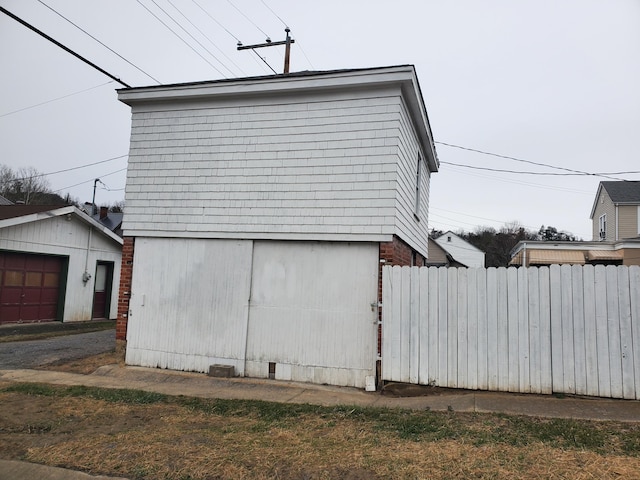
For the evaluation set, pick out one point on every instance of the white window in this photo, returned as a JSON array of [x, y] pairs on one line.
[[418, 181], [602, 226]]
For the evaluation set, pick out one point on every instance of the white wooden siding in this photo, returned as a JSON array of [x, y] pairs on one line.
[[311, 312], [414, 231], [69, 238], [565, 329], [312, 165]]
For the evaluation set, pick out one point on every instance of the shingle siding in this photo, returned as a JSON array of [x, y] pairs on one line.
[[604, 205], [324, 164]]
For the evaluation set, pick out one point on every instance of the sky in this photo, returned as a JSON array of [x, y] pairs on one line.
[[539, 81]]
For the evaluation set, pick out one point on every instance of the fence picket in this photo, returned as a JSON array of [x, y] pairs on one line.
[[566, 329]]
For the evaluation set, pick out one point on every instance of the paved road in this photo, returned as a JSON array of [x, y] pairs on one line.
[[32, 353]]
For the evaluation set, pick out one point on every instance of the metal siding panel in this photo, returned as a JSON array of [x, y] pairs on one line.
[[313, 290], [188, 303]]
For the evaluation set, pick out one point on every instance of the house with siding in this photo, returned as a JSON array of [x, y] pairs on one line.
[[615, 214], [56, 264], [259, 213], [615, 218], [463, 253]]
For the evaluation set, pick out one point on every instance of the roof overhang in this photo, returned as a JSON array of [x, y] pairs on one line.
[[403, 76], [548, 257], [59, 212]]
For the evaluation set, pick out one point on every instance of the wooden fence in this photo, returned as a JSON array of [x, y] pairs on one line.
[[565, 329]]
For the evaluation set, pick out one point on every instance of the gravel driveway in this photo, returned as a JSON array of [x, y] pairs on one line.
[[32, 353]]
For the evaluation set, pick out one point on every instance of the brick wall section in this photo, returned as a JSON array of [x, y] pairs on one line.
[[396, 252], [125, 288]]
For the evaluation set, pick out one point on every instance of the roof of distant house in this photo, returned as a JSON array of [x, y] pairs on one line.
[[13, 211], [5, 201], [623, 192]]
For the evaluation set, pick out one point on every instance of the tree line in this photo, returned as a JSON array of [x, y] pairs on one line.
[[497, 244]]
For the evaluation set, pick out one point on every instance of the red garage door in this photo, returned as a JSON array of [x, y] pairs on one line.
[[29, 287]]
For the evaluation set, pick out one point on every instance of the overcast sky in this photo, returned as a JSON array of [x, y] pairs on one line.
[[545, 81]]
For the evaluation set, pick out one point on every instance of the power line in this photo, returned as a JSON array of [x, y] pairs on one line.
[[252, 22], [286, 26], [209, 15], [538, 173], [55, 99], [72, 168], [277, 16], [105, 46], [181, 39], [205, 36], [65, 48], [528, 161], [90, 180], [190, 35]]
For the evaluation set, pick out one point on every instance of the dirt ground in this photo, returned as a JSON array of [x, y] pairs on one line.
[[180, 438]]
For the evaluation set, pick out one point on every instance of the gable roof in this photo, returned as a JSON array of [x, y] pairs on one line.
[[623, 192], [5, 201], [620, 193], [11, 215]]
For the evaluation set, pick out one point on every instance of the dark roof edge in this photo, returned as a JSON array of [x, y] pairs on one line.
[[305, 73]]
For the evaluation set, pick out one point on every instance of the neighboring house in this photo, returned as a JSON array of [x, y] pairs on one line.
[[615, 214], [540, 253], [259, 212], [111, 220], [438, 257], [56, 263], [5, 201], [462, 252]]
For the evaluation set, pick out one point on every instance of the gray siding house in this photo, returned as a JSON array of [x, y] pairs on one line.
[[615, 214], [259, 211]]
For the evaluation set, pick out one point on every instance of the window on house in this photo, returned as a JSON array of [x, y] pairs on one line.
[[418, 181], [602, 226]]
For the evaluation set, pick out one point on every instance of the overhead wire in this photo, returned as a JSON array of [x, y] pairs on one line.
[[287, 26], [101, 43], [475, 167], [60, 45], [72, 168], [181, 39], [55, 99], [90, 180], [527, 161], [205, 36], [245, 16], [192, 37]]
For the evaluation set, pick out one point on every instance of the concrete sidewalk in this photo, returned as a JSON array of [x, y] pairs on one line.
[[199, 385]]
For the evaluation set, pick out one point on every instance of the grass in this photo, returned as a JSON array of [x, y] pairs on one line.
[[415, 426]]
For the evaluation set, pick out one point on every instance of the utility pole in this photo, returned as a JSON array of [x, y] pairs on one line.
[[287, 52]]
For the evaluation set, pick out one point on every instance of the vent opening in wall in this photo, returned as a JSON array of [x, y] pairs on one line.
[[272, 370]]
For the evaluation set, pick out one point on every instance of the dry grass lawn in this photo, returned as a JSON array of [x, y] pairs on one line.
[[142, 435]]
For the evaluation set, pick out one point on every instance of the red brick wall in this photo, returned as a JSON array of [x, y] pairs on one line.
[[125, 288], [395, 252]]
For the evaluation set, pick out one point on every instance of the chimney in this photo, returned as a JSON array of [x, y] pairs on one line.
[[104, 212]]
